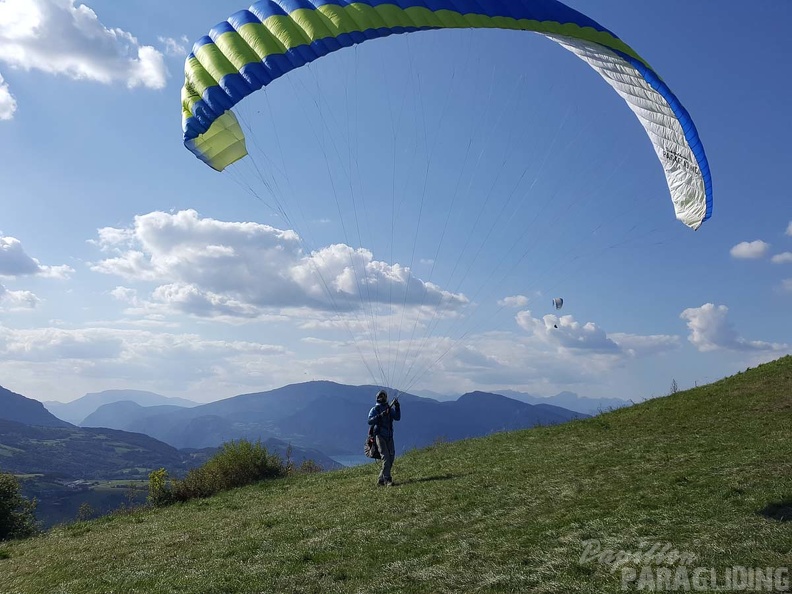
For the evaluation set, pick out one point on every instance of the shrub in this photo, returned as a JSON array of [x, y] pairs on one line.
[[17, 517], [308, 467], [238, 463], [305, 467], [159, 488]]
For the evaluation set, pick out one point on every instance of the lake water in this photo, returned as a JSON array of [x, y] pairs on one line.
[[352, 460]]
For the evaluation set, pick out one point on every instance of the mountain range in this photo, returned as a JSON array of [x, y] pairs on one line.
[[568, 400], [77, 410], [125, 414], [321, 417], [324, 416]]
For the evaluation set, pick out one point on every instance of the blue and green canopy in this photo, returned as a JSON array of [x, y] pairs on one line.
[[256, 46]]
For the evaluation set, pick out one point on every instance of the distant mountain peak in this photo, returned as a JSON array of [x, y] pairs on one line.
[[18, 408], [479, 396], [78, 410]]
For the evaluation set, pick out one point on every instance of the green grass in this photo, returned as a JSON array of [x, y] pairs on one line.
[[707, 471]]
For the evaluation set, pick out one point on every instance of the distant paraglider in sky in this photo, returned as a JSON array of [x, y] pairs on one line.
[[558, 303]]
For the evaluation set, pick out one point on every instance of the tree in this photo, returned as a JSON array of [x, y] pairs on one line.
[[17, 518], [86, 512], [674, 387]]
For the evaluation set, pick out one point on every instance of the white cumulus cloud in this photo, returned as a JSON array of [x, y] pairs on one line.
[[17, 300], [568, 334], [125, 295], [711, 331], [750, 250], [175, 47], [789, 228], [8, 104], [61, 37], [783, 258], [514, 301], [207, 267], [14, 262]]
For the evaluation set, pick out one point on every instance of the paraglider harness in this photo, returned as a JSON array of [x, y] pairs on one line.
[[370, 448]]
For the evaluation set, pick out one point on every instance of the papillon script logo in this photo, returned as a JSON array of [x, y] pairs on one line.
[[647, 553]]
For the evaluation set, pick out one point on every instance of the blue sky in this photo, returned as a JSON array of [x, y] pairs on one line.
[[447, 184]]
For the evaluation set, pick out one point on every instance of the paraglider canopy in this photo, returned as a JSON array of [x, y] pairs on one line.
[[258, 45], [558, 303]]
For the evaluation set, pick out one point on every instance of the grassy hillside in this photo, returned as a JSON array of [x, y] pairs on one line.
[[706, 472]]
